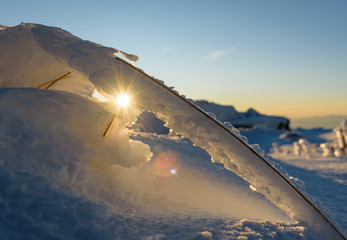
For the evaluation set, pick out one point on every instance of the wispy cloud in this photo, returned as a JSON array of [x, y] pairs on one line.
[[219, 53]]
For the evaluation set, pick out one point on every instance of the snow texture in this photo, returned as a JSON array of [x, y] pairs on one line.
[[53, 139]]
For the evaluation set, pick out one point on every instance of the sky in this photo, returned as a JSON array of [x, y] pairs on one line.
[[286, 58]]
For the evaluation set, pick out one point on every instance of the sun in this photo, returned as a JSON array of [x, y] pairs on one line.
[[123, 100]]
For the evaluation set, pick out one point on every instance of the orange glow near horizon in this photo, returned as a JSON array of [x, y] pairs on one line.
[[304, 110], [287, 107]]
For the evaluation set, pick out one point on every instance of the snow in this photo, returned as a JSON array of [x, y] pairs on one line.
[[148, 122], [130, 57], [246, 120], [62, 179], [230, 151], [319, 175], [52, 174]]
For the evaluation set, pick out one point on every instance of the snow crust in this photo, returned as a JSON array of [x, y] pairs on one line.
[[109, 170]]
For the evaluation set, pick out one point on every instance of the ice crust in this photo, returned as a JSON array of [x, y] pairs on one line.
[[55, 52]]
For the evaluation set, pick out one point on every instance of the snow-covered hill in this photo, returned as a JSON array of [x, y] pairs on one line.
[[247, 119]]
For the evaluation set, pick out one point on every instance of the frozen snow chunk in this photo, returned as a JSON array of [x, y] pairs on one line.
[[252, 188], [243, 139], [297, 183], [338, 152], [158, 80], [232, 129], [212, 115], [258, 149], [306, 147], [278, 167], [172, 133], [175, 91], [205, 235], [327, 150], [228, 125], [130, 57]]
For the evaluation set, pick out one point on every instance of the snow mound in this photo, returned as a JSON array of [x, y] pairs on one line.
[[47, 53]]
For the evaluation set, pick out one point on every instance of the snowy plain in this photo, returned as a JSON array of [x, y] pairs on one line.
[[61, 179]]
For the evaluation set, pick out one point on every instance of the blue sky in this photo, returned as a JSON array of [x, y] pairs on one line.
[[284, 58]]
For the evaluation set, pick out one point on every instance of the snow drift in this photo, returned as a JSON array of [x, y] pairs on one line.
[[108, 169]]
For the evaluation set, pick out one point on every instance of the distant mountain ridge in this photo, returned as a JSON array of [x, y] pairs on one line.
[[243, 120], [148, 122], [330, 121]]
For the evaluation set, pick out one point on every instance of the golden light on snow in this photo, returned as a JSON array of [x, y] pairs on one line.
[[123, 100], [98, 96], [252, 188], [166, 164]]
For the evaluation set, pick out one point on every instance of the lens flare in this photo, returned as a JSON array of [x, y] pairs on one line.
[[166, 164], [123, 100]]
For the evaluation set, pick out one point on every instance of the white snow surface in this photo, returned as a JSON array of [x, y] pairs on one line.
[[323, 177], [61, 179]]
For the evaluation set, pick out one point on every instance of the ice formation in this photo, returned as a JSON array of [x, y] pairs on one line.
[[48, 53]]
